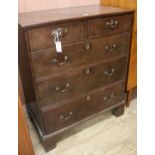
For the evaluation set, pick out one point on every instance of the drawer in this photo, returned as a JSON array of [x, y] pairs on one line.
[[86, 79], [110, 25], [42, 38], [58, 117], [49, 62]]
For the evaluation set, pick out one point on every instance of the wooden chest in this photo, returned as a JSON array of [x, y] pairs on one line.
[[65, 89]]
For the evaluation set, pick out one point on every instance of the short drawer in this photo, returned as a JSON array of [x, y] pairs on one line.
[[58, 117], [49, 62], [107, 26], [86, 79], [42, 38]]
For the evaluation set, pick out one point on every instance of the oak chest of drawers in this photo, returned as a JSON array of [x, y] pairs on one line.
[[65, 89]]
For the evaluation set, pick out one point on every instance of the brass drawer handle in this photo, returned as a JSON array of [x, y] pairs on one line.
[[108, 99], [112, 23], [87, 71], [87, 46], [109, 73], [62, 90], [65, 60], [67, 117], [111, 48]]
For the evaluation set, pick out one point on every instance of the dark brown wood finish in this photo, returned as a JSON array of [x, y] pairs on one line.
[[87, 78], [71, 86], [26, 77], [61, 116], [118, 111], [49, 141], [100, 27], [41, 38], [132, 72], [24, 67], [39, 18], [102, 49]]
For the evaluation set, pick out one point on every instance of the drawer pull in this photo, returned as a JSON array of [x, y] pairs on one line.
[[67, 117], [87, 46], [88, 98], [65, 60], [57, 33], [108, 99], [62, 90], [109, 73], [112, 23], [87, 71], [110, 49]]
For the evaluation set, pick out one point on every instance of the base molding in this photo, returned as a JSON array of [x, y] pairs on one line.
[[49, 141]]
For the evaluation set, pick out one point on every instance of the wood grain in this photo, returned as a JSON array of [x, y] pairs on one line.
[[132, 4], [24, 142], [49, 95], [41, 38], [44, 17], [61, 88], [61, 116], [98, 26], [78, 54], [105, 137]]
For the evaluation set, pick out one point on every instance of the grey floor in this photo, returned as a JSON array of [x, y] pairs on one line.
[[109, 136]]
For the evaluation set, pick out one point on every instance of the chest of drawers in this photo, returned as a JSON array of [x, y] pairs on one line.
[[88, 77]]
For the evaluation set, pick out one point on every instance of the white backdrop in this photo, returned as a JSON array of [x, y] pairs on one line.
[[34, 5]]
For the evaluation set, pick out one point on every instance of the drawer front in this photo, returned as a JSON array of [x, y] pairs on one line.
[[106, 26], [42, 38], [62, 116], [49, 62], [87, 79]]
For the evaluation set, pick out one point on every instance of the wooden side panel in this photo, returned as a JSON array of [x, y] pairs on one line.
[[132, 4], [24, 68], [26, 77], [132, 74], [24, 142], [20, 89]]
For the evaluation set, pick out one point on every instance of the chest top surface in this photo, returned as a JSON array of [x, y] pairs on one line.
[[33, 19]]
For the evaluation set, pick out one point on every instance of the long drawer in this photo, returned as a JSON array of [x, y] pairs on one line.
[[42, 38], [49, 62], [99, 27], [58, 117], [86, 79]]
